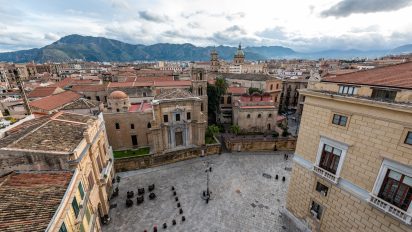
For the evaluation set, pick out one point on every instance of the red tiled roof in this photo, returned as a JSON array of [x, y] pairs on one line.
[[42, 91], [55, 101], [172, 83], [398, 76], [63, 83], [30, 199], [88, 88], [237, 90]]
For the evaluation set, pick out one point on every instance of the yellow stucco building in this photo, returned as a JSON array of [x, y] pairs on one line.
[[353, 162], [65, 165]]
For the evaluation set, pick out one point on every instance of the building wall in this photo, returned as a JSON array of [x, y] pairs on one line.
[[248, 119], [374, 132], [121, 138]]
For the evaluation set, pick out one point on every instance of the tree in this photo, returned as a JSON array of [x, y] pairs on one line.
[[235, 129], [214, 93], [254, 90], [212, 130]]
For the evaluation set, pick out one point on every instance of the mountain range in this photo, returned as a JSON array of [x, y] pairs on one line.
[[90, 48]]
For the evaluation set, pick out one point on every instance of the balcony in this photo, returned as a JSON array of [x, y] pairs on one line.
[[106, 171], [83, 206], [390, 209], [325, 174], [92, 223]]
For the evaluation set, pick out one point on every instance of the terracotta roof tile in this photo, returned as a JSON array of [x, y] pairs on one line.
[[44, 91], [397, 76], [55, 101], [30, 199], [88, 88]]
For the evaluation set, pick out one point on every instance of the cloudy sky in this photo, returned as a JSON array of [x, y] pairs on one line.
[[301, 25]]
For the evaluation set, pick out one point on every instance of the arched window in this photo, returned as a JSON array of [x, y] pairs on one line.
[[117, 125], [269, 126], [277, 86], [132, 126], [248, 116], [259, 115], [271, 87], [201, 107], [229, 100], [117, 110], [149, 125], [270, 115]]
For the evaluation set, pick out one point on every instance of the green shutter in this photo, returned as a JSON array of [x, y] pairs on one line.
[[75, 207], [63, 228], [81, 190]]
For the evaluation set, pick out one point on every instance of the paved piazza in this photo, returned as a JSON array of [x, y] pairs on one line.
[[243, 198]]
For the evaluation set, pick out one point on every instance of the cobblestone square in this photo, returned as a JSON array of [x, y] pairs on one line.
[[245, 195]]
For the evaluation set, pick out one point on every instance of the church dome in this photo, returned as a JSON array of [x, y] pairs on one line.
[[118, 95], [239, 51]]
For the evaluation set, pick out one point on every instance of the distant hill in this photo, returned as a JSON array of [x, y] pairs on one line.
[[102, 49]]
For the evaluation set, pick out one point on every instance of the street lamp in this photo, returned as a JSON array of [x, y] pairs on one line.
[[206, 194]]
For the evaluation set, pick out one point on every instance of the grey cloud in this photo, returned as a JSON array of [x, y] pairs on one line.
[[348, 7], [235, 29], [189, 15], [273, 33], [149, 16], [235, 16], [51, 36], [193, 25]]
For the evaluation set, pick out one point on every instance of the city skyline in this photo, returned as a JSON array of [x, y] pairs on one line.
[[302, 26]]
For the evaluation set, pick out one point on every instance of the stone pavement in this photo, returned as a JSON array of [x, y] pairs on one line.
[[243, 199]]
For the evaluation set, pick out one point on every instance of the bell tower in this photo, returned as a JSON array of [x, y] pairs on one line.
[[214, 61], [239, 57], [199, 87]]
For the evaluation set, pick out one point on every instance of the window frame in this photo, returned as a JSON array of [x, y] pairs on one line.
[[77, 210], [335, 144], [188, 116], [63, 227], [165, 118], [408, 132], [81, 190], [117, 125], [340, 116], [386, 165], [350, 90], [321, 207]]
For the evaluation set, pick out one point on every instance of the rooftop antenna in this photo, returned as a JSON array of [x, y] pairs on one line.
[[19, 83]]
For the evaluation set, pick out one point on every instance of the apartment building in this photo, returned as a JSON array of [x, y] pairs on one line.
[[59, 166], [353, 162]]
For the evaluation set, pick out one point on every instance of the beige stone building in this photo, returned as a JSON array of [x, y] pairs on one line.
[[174, 119], [353, 162], [255, 113], [76, 191]]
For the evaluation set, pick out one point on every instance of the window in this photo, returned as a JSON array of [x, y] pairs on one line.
[[63, 228], [383, 94], [201, 107], [408, 139], [339, 120], [149, 125], [248, 116], [188, 115], [270, 115], [259, 115], [323, 189], [396, 189], [229, 100], [316, 210], [87, 212], [132, 126], [134, 140], [81, 191], [222, 100], [144, 94], [330, 158], [348, 90], [117, 110], [75, 207], [90, 180], [177, 117], [97, 98], [271, 87], [277, 86], [117, 125], [165, 118]]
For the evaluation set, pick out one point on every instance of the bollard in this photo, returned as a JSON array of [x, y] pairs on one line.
[[174, 222], [174, 193], [276, 177], [176, 198], [181, 211], [178, 205], [173, 188], [283, 179], [164, 225], [183, 218]]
